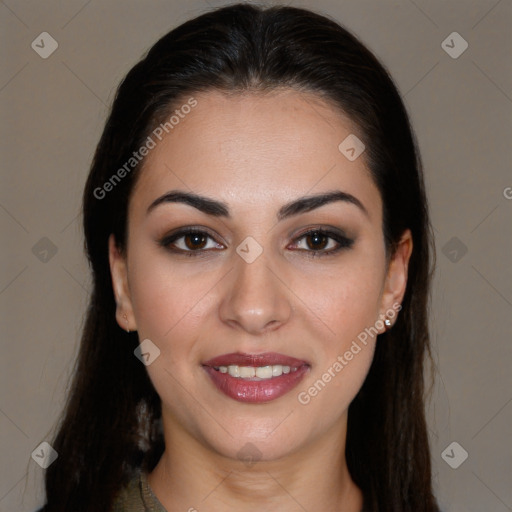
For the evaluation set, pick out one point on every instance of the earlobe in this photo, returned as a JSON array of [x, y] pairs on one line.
[[119, 274], [396, 279]]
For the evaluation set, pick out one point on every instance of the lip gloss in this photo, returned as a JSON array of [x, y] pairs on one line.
[[254, 389]]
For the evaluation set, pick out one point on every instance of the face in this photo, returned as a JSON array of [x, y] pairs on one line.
[[263, 302]]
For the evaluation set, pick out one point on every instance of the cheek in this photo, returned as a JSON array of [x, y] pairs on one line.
[[347, 300], [346, 297], [169, 307], [163, 296], [350, 308], [329, 393]]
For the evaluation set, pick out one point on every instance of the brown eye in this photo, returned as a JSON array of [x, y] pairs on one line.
[[320, 242], [317, 240], [190, 242], [195, 241]]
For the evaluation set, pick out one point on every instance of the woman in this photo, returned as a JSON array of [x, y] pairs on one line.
[[258, 231]]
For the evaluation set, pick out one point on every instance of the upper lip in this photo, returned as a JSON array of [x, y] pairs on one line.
[[265, 359]]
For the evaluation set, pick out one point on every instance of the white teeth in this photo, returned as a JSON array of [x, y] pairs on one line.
[[234, 370], [264, 372], [247, 372], [261, 372], [277, 370]]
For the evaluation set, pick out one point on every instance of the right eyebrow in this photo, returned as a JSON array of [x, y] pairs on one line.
[[204, 204]]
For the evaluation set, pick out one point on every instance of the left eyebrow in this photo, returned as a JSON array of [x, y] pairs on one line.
[[220, 209], [308, 203]]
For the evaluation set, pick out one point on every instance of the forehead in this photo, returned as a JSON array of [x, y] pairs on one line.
[[256, 148]]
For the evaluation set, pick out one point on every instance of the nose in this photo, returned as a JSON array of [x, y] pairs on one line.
[[256, 299]]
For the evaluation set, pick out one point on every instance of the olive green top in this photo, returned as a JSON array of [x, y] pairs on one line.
[[137, 496]]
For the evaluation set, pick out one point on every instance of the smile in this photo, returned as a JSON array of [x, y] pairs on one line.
[[255, 378]]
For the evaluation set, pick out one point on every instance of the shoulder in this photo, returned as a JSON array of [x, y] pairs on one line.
[[137, 496], [129, 498]]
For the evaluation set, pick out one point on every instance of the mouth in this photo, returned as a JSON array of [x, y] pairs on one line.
[[255, 378]]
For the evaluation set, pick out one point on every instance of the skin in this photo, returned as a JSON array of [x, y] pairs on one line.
[[256, 152]]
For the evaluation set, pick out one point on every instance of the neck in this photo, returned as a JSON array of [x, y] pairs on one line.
[[189, 476]]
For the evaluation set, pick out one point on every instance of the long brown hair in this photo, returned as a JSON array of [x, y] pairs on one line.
[[110, 428]]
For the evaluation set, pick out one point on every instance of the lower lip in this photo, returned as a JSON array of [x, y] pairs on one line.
[[256, 391]]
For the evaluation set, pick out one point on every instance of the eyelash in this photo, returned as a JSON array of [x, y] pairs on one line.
[[343, 242]]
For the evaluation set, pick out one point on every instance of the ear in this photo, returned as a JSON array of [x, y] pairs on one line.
[[396, 278], [118, 270]]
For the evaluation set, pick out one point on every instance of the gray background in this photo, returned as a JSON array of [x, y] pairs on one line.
[[53, 112]]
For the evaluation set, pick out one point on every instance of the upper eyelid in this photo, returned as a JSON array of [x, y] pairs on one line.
[[324, 229]]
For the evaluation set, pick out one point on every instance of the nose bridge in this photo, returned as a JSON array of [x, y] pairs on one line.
[[256, 299]]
